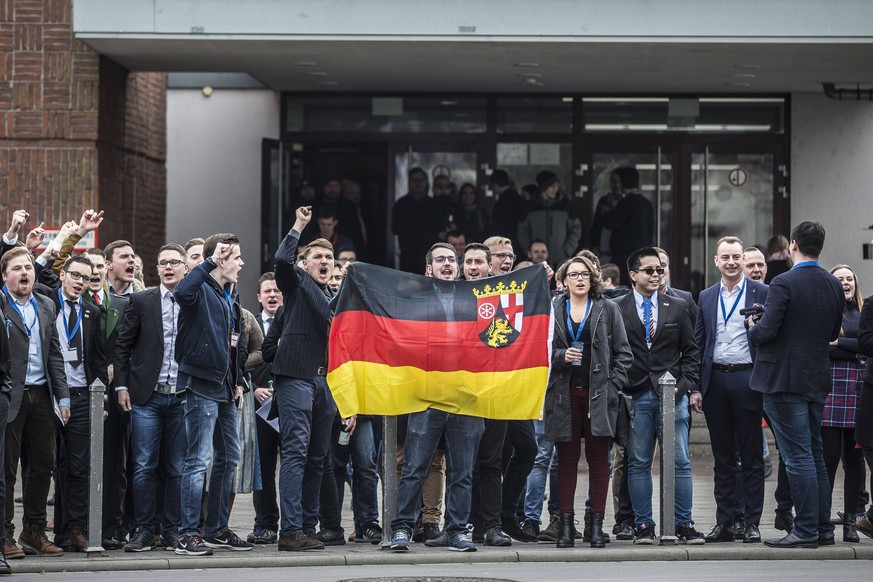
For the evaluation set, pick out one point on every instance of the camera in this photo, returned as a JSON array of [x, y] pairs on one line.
[[754, 310]]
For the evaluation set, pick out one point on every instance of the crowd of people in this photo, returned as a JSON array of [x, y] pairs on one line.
[[206, 400]]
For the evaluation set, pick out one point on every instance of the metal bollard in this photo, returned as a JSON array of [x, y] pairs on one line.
[[97, 393], [389, 476], [667, 384]]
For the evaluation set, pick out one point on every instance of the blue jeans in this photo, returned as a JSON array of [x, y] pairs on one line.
[[545, 465], [462, 434], [796, 422], [161, 419], [365, 477], [306, 413], [641, 450], [211, 429]]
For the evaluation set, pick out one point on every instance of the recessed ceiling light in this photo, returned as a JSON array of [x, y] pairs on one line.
[[329, 83], [737, 84], [317, 74], [526, 65], [528, 74], [743, 75], [448, 102], [747, 66], [306, 63]]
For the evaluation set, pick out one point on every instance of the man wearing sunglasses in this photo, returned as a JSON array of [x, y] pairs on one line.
[[662, 340]]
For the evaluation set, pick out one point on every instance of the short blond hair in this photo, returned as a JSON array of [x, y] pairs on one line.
[[496, 241]]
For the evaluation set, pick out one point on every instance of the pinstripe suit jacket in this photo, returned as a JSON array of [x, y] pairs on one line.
[[306, 320]]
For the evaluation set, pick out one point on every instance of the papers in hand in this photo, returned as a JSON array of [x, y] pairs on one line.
[[264, 413]]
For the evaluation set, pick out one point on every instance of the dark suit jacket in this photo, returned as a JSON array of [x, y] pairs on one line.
[[673, 348], [632, 222], [139, 349], [802, 314], [685, 296], [261, 374], [5, 353], [306, 318], [111, 315], [709, 318], [53, 362], [94, 352]]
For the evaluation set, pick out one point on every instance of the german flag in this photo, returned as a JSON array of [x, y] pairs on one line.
[[401, 343]]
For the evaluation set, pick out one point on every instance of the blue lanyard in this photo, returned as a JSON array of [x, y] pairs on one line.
[[229, 300], [724, 313], [578, 333], [20, 314], [70, 336]]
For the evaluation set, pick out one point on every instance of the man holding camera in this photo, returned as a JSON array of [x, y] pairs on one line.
[[802, 314], [733, 411]]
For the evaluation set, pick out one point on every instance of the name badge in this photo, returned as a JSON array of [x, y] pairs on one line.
[[234, 339], [581, 347], [70, 355], [32, 349]]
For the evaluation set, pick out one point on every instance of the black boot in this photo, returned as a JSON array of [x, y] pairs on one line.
[[850, 533], [586, 528], [597, 538], [567, 535]]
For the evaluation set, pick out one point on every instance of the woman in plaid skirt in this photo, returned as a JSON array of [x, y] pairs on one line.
[[838, 422]]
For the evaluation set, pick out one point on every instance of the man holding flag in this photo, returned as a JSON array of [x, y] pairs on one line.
[[423, 434]]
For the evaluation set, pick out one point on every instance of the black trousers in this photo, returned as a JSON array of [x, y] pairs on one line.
[[264, 501], [839, 443], [733, 415], [487, 473], [74, 464], [519, 453], [35, 424], [116, 439]]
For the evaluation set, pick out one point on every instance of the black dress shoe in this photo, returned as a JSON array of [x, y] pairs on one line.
[[514, 530], [827, 540], [720, 533], [784, 521], [5, 570], [751, 535], [792, 541], [495, 537]]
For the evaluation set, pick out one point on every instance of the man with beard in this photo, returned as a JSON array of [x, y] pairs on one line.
[[426, 428]]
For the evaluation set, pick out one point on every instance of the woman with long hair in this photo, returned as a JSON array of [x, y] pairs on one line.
[[590, 359], [838, 421]]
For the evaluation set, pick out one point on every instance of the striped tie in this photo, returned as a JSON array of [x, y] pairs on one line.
[[647, 307]]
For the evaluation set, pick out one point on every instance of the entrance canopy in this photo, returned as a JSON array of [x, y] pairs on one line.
[[669, 46]]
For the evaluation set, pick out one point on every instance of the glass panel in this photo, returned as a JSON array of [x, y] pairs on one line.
[[535, 115], [523, 161], [731, 194], [385, 115], [658, 189], [460, 167], [661, 114]]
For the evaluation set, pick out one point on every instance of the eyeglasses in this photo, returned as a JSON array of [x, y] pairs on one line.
[[76, 276], [446, 259], [650, 271], [170, 262], [503, 256], [576, 274]]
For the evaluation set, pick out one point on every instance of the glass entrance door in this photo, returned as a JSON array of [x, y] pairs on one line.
[[448, 168], [731, 194]]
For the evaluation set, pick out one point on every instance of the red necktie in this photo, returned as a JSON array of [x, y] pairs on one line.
[[96, 298]]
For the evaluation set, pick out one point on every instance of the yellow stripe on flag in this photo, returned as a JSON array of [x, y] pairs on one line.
[[368, 388]]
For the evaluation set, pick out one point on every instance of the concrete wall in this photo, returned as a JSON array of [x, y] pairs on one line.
[[832, 176], [214, 169]]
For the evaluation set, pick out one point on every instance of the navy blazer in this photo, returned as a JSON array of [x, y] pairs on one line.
[[802, 315], [139, 349], [709, 317], [306, 317]]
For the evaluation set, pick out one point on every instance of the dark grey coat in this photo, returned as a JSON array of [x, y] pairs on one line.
[[610, 359]]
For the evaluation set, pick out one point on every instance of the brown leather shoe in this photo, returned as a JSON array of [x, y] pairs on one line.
[[78, 541], [299, 542], [34, 542], [12, 551]]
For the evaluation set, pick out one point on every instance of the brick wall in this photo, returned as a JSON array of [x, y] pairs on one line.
[[78, 131]]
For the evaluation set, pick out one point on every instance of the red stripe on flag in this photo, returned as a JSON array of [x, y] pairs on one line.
[[434, 346]]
